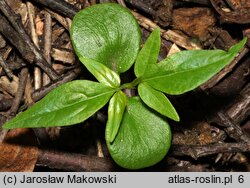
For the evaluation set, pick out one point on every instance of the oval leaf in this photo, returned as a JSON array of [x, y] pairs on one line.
[[158, 101], [116, 108], [149, 53], [102, 73], [107, 33], [68, 104], [143, 139], [186, 70]]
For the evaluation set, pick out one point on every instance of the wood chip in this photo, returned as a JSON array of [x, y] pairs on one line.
[[9, 86], [2, 42], [59, 68], [63, 21], [191, 21], [56, 33], [174, 49], [18, 151], [63, 56], [19, 8], [180, 40], [39, 25]]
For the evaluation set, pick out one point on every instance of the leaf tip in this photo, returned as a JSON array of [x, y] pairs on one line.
[[7, 126], [158, 29], [177, 118], [174, 116], [237, 47], [110, 137], [244, 40]]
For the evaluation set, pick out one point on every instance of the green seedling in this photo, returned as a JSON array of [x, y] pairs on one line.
[[106, 38]]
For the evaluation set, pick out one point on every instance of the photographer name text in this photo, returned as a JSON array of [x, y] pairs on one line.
[[70, 179]]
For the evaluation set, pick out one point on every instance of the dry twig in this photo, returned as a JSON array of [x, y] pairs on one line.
[[34, 37], [74, 162], [60, 6], [196, 151], [19, 94], [70, 75], [47, 42], [5, 67], [21, 40], [63, 21]]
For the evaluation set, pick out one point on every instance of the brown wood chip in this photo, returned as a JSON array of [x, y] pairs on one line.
[[18, 151]]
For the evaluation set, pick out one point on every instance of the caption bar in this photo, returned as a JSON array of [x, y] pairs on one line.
[[124, 179]]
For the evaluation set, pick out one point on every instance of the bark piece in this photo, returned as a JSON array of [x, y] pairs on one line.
[[161, 11], [171, 35], [236, 4], [233, 11], [220, 39], [18, 151], [195, 22], [200, 134], [163, 14]]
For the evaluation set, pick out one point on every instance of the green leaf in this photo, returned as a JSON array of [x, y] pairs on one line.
[[157, 101], [68, 104], [102, 73], [107, 33], [149, 53], [143, 139], [116, 109], [186, 70]]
